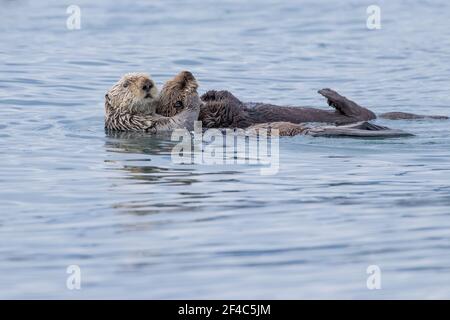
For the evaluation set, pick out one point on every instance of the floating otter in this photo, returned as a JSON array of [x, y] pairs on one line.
[[130, 105], [221, 109]]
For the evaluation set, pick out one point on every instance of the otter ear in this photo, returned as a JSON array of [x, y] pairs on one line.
[[188, 76], [185, 78]]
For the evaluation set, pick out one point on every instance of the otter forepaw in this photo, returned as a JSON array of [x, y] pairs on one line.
[[283, 128]]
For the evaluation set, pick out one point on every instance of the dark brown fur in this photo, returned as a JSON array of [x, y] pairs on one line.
[[176, 94], [221, 109]]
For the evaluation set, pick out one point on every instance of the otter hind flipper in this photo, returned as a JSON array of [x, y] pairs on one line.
[[345, 106], [359, 130], [284, 128], [340, 103]]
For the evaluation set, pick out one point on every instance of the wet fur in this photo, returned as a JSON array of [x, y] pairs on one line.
[[130, 107], [221, 109]]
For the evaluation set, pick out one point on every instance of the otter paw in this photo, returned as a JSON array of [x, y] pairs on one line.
[[283, 128]]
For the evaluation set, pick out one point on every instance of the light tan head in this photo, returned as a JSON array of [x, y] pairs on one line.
[[178, 94], [134, 93]]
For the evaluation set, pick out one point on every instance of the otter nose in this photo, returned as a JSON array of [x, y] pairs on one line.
[[147, 86]]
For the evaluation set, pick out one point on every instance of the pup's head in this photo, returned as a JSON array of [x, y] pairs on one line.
[[134, 93], [178, 94]]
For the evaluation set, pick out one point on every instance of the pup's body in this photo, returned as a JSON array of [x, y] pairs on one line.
[[221, 109]]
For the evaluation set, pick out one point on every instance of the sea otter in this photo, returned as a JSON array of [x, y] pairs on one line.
[[226, 111], [221, 109], [130, 105]]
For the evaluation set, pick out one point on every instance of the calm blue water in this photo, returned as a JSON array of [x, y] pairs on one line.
[[140, 226]]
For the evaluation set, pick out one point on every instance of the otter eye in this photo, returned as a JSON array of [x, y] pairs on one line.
[[125, 84], [178, 104]]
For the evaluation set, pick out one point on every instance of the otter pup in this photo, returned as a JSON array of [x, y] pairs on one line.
[[221, 109], [130, 105], [229, 112]]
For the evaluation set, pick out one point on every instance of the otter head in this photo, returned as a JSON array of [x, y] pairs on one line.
[[134, 93], [178, 94]]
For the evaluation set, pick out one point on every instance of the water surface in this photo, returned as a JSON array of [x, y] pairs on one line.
[[140, 226]]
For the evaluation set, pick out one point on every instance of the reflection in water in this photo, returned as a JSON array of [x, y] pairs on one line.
[[165, 187], [138, 142], [166, 176]]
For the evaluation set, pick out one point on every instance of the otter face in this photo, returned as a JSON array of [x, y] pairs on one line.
[[178, 94], [134, 93]]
